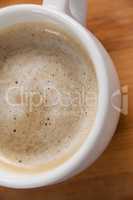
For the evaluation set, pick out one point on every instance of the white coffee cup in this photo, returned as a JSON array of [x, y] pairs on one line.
[[66, 13]]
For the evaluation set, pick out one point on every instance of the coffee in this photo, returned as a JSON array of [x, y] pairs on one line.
[[48, 95]]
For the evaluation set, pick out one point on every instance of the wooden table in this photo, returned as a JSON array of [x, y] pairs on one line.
[[111, 177]]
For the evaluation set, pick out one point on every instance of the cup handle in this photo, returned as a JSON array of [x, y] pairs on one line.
[[74, 8]]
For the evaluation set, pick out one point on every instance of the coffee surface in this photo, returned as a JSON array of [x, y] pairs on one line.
[[48, 94]]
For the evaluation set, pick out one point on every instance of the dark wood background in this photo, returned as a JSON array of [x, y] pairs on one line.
[[111, 177]]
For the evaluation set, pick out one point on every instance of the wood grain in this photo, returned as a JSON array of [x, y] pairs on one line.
[[111, 177]]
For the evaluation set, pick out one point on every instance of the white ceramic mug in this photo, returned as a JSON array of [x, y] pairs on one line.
[[66, 13]]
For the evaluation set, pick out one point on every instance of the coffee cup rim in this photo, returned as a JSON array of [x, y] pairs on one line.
[[90, 150]]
